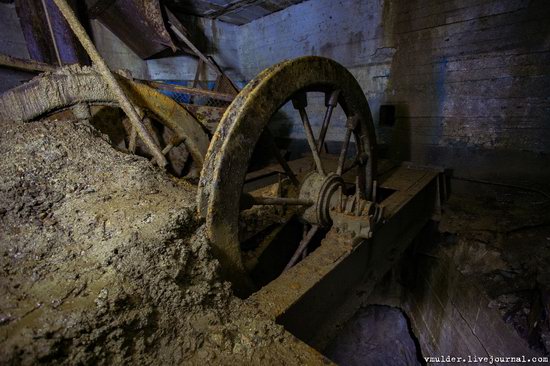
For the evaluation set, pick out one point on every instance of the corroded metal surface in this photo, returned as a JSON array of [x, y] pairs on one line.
[[47, 34], [72, 85], [208, 116], [317, 295], [138, 23], [228, 156]]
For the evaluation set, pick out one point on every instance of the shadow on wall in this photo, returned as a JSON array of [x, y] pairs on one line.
[[524, 89], [408, 97], [471, 86], [376, 335], [400, 140]]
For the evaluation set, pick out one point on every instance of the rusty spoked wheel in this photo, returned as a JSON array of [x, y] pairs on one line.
[[80, 89], [313, 194]]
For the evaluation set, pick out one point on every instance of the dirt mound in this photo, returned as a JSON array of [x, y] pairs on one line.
[[103, 260]]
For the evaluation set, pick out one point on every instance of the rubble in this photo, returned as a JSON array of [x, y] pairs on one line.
[[104, 261]]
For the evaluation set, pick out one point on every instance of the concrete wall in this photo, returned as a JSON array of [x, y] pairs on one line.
[[116, 54], [470, 79]]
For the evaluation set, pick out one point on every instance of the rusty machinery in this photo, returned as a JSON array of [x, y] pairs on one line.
[[321, 194], [82, 91], [358, 214], [319, 229]]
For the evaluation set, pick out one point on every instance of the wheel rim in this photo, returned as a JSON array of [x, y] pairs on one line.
[[230, 151]]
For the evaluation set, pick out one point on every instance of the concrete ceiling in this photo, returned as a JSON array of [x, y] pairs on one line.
[[231, 11]]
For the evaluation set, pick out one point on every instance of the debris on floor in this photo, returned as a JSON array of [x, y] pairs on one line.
[[104, 261]]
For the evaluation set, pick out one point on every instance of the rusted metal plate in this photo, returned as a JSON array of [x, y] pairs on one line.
[[209, 116], [38, 20], [138, 23]]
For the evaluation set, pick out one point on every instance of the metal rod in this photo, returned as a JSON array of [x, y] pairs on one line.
[[343, 153], [187, 90], [180, 31], [311, 140], [280, 158], [190, 44], [331, 103], [52, 33], [103, 69], [303, 245], [261, 200], [324, 128]]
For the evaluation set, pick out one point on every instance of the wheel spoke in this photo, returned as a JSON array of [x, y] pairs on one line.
[[133, 140], [300, 102], [268, 239], [248, 200], [280, 159], [353, 165], [167, 149], [311, 141], [303, 245], [331, 102], [343, 153], [360, 160]]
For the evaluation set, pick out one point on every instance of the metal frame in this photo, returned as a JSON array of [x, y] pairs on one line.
[[320, 293]]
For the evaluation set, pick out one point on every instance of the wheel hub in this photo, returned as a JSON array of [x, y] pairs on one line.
[[321, 190]]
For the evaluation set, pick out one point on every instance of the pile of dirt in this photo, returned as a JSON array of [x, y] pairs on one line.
[[103, 260]]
